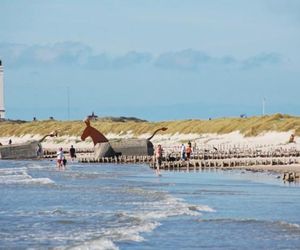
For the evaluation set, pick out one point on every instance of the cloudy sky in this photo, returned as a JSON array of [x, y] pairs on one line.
[[156, 60]]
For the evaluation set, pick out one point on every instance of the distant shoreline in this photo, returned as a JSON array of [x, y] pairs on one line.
[[219, 133]]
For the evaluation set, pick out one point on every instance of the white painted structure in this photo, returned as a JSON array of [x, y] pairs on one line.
[[2, 110]]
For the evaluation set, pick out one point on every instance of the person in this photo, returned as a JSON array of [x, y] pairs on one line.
[[64, 162], [72, 153], [9, 142], [194, 147], [188, 151], [182, 152], [158, 155], [60, 158], [39, 150], [292, 139]]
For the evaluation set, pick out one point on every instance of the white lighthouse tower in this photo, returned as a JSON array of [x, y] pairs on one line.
[[2, 110]]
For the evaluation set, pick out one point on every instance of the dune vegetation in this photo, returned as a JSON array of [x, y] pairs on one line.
[[251, 126]]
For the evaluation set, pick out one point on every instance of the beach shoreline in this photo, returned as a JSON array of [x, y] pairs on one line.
[[269, 141], [280, 169]]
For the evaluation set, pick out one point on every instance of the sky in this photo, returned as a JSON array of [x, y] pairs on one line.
[[155, 60]]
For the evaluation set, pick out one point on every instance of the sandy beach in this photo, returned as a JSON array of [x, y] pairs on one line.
[[273, 168], [270, 141], [267, 140]]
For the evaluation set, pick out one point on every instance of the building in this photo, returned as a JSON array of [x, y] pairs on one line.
[[92, 117], [2, 110]]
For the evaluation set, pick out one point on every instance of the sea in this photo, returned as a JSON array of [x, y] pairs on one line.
[[109, 206]]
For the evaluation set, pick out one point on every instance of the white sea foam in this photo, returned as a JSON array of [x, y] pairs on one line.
[[291, 225], [20, 176], [203, 208], [37, 166], [170, 206], [131, 232], [10, 171], [98, 244], [126, 225], [147, 215]]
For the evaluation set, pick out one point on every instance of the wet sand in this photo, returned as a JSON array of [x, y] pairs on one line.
[[273, 168]]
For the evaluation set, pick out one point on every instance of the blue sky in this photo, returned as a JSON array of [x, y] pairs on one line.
[[157, 60]]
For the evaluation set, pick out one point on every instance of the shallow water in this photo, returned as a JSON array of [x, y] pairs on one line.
[[128, 207]]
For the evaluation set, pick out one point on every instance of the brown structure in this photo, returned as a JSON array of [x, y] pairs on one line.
[[96, 136], [105, 148]]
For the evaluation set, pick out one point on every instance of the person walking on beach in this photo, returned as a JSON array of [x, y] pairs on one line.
[[182, 152], [60, 158], [72, 153], [10, 142], [158, 156]]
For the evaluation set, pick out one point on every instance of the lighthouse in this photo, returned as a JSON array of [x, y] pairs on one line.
[[2, 110]]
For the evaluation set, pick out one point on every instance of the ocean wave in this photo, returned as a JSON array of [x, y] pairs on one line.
[[135, 210], [281, 224], [20, 176], [171, 206], [128, 225], [68, 213], [88, 175], [163, 200], [131, 232], [96, 244], [11, 171], [147, 215], [37, 166], [114, 227], [289, 225], [202, 208]]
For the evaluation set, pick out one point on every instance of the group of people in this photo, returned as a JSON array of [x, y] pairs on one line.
[[185, 152], [61, 160], [9, 142]]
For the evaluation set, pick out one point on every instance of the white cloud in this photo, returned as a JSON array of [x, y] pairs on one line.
[[260, 60], [185, 59], [73, 53]]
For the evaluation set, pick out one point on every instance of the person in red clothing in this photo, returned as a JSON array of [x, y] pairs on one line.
[[188, 150]]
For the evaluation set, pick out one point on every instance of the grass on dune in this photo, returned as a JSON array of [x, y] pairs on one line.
[[251, 126]]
